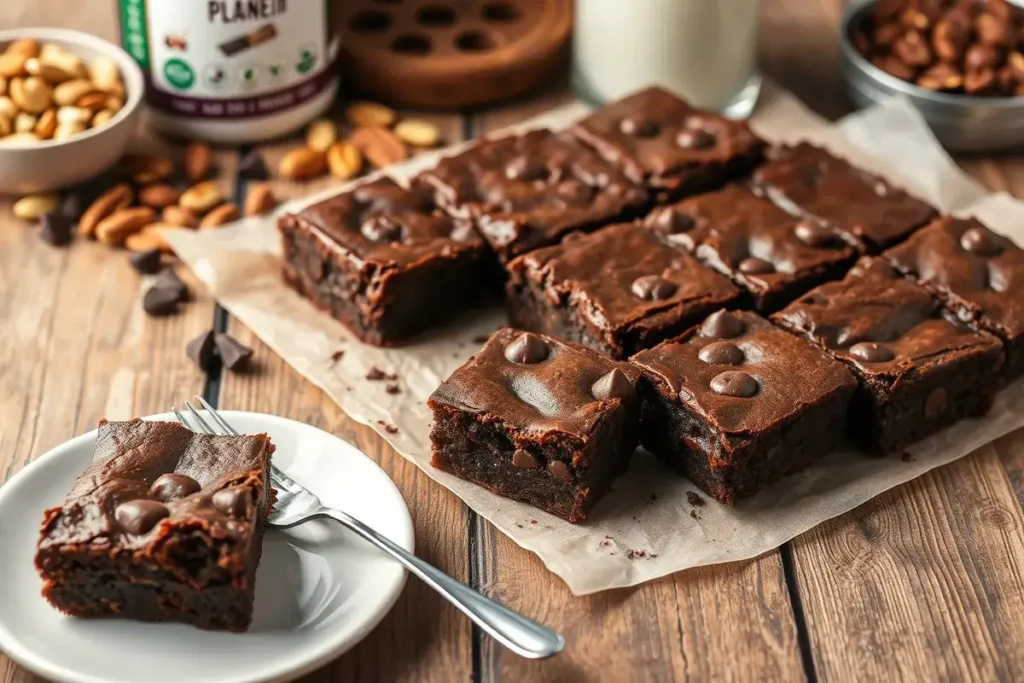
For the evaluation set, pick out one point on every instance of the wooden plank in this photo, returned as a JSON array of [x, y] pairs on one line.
[[423, 638], [720, 623]]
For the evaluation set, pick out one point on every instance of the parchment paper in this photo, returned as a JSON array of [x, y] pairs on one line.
[[644, 528]]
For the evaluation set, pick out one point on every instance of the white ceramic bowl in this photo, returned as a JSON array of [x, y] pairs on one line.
[[51, 164]]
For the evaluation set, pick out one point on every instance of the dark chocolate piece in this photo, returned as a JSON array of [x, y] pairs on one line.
[[252, 166], [56, 229], [233, 354], [203, 352], [146, 262]]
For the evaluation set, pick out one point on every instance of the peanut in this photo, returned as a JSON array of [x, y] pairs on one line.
[[33, 206], [114, 199], [302, 164], [225, 213], [370, 114], [321, 134], [259, 199], [202, 197], [115, 228], [345, 160]]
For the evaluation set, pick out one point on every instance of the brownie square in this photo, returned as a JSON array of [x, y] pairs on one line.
[[163, 525], [617, 290], [920, 370], [866, 210], [723, 405], [385, 261], [977, 273], [538, 420], [528, 191], [773, 256], [673, 149]]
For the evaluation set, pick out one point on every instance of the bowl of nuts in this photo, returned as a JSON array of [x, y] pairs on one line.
[[959, 62], [69, 103]]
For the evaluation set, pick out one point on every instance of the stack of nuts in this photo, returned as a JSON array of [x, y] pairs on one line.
[[377, 137], [958, 46], [48, 93]]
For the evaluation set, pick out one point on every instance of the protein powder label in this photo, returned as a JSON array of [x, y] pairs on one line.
[[230, 60]]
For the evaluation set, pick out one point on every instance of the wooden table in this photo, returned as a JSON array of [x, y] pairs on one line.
[[924, 583]]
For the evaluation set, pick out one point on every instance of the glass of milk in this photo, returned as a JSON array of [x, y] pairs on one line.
[[704, 50]]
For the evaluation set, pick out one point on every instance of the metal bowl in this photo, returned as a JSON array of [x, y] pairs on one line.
[[962, 123]]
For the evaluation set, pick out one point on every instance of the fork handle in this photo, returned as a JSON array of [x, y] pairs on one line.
[[521, 634]]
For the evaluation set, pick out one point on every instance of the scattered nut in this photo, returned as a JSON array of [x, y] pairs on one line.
[[146, 168], [198, 162], [158, 196], [321, 134], [114, 199], [370, 114], [180, 216], [379, 145], [33, 206], [417, 133], [115, 228], [225, 213], [202, 197], [344, 160], [302, 163], [259, 199], [150, 237]]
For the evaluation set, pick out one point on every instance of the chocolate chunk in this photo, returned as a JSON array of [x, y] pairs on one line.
[[168, 280], [393, 388], [524, 460], [203, 352], [71, 206], [234, 500], [756, 266], [160, 302], [641, 128], [936, 403], [734, 383], [146, 262], [872, 352], [695, 139], [527, 348], [694, 499], [381, 229], [615, 384], [815, 235], [139, 516], [559, 469], [653, 288], [233, 354], [389, 428], [979, 241], [56, 229], [173, 486], [722, 325], [671, 221], [252, 167], [721, 353], [522, 168], [375, 374]]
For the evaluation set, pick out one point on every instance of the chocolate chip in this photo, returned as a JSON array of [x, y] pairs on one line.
[[524, 460], [381, 229], [168, 280], [653, 288], [734, 383], [981, 242], [671, 221], [815, 234], [872, 352], [234, 500], [522, 168], [252, 167], [173, 486], [56, 229], [721, 353], [753, 265], [527, 348], [139, 516], [641, 128], [146, 262], [71, 206], [694, 499], [233, 354], [722, 325], [695, 139], [160, 302], [559, 469], [614, 384], [936, 403], [203, 352]]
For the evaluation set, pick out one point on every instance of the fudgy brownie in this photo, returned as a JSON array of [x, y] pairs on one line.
[[533, 418], [672, 148], [617, 290], [772, 255], [164, 525], [977, 273], [867, 211], [736, 403], [528, 191], [919, 368], [385, 261]]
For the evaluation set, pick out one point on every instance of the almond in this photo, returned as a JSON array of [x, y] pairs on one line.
[[46, 126], [345, 160], [417, 133], [49, 72], [202, 197], [158, 196], [102, 117], [302, 163], [151, 237], [146, 168], [370, 114], [180, 216], [93, 101], [31, 94], [12, 64], [225, 213], [67, 94], [198, 162], [33, 206], [321, 134], [73, 115], [259, 199], [114, 199], [380, 147], [115, 228], [29, 47]]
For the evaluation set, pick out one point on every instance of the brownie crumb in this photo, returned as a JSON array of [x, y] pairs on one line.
[[652, 555], [635, 553], [375, 374], [519, 526], [608, 536], [393, 388], [694, 499], [693, 513], [336, 356], [907, 457], [390, 429], [533, 521], [606, 542], [481, 339]]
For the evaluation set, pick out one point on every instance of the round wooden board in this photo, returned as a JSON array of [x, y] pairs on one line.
[[450, 53]]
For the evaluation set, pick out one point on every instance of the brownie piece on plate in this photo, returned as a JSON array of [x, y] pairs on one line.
[[617, 290], [919, 368], [385, 261], [672, 148], [977, 273], [866, 210], [773, 256], [736, 403], [528, 191], [163, 525], [532, 418]]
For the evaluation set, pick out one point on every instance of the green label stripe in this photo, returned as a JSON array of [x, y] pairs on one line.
[[134, 34]]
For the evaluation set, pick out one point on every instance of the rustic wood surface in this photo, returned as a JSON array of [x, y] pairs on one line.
[[923, 583]]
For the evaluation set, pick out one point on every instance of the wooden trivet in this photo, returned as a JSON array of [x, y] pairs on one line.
[[450, 53]]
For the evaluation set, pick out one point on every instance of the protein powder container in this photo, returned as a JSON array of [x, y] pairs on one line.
[[234, 71]]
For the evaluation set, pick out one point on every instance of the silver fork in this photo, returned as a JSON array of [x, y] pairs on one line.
[[295, 505]]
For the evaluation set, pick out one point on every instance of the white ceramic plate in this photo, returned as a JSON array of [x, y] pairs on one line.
[[319, 589]]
